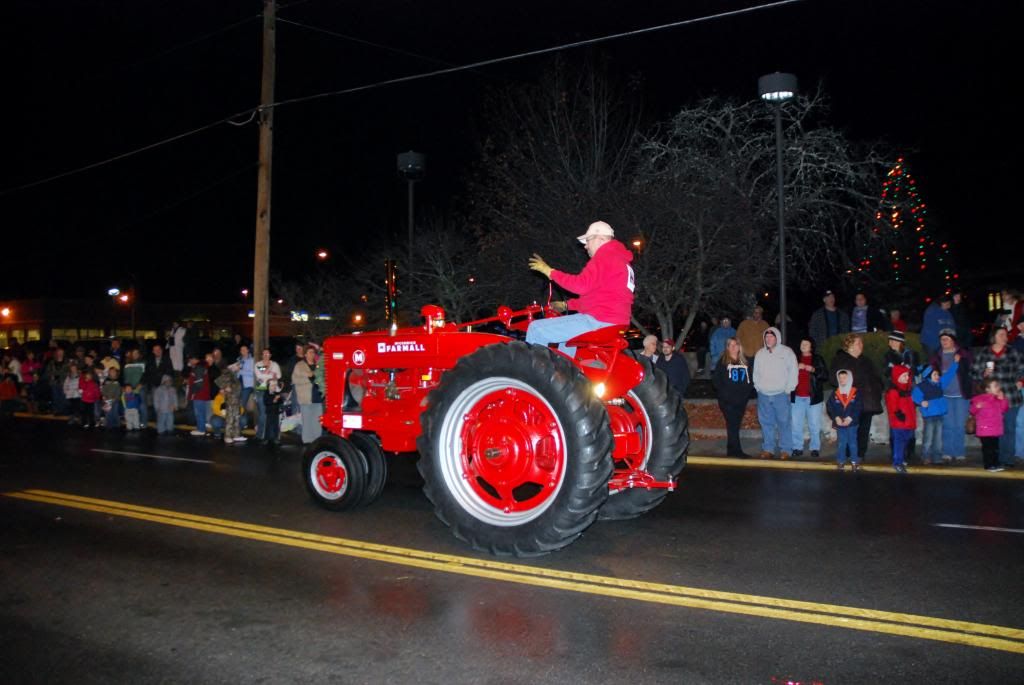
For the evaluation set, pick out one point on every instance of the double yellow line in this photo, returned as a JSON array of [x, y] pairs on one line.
[[908, 625]]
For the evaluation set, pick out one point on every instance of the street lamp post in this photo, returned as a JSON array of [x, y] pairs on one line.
[[412, 166], [777, 89]]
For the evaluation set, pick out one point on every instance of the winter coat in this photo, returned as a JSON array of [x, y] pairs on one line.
[[898, 402], [605, 286], [132, 400], [1008, 368], [732, 383], [302, 380], [866, 380], [72, 391], [837, 409], [111, 390], [928, 391], [988, 411], [817, 327], [165, 397], [677, 370], [90, 389], [818, 377], [200, 385], [774, 369], [936, 319], [156, 369], [717, 343]]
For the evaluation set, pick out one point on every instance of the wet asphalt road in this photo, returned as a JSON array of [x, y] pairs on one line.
[[94, 596]]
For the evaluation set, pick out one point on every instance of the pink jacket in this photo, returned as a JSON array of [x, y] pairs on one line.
[[988, 413], [605, 286]]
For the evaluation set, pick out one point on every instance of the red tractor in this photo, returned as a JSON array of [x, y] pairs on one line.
[[521, 447]]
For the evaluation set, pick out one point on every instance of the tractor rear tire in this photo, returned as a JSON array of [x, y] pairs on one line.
[[669, 441], [376, 463], [515, 450], [335, 473]]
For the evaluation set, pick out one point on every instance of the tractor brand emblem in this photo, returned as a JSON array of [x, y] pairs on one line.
[[337, 355], [358, 357], [400, 346]]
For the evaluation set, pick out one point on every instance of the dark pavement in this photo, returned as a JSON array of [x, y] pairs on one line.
[[222, 570]]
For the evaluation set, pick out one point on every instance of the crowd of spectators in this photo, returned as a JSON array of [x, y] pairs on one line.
[[157, 385], [940, 388]]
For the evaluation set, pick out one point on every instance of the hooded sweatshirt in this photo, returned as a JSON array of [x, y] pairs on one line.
[[605, 286], [775, 369], [844, 401], [898, 402], [165, 397]]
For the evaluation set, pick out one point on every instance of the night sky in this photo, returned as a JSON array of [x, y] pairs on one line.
[[88, 80]]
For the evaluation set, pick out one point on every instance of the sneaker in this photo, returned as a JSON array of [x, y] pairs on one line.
[[960, 460], [765, 455], [841, 467], [855, 466], [815, 454], [240, 438], [946, 459], [995, 469], [227, 441], [197, 432], [796, 454], [900, 468]]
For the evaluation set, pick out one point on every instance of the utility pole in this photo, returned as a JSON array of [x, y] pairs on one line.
[[261, 265]]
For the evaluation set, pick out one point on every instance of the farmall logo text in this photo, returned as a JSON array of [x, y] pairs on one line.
[[400, 346]]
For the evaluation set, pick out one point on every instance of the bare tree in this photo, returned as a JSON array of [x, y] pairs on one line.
[[707, 182]]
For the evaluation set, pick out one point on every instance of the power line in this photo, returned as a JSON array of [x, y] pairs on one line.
[[403, 79], [535, 53]]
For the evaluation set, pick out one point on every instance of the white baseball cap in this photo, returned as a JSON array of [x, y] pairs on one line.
[[596, 228]]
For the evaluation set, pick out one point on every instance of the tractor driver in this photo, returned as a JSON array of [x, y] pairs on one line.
[[605, 289]]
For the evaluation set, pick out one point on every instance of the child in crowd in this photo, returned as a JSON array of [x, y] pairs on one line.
[[132, 402], [231, 391], [844, 409], [111, 393], [928, 395], [273, 400], [8, 395], [165, 401], [90, 394], [902, 415], [988, 409], [73, 394]]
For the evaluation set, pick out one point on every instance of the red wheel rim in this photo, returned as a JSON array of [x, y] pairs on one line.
[[510, 449], [330, 475], [632, 428]]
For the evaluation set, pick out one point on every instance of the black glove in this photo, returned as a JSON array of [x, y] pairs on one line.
[[900, 416]]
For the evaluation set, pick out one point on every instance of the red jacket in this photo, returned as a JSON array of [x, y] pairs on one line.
[[605, 286], [899, 404], [90, 390]]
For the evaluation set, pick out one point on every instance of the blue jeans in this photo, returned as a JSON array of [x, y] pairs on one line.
[[953, 435], [201, 408], [244, 398], [261, 414], [774, 415], [58, 402], [113, 418], [800, 408], [1008, 440], [847, 444], [145, 402], [165, 422], [1018, 447], [931, 439], [217, 425], [558, 329], [900, 438]]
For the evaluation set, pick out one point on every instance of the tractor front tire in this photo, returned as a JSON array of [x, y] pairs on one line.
[[335, 473], [659, 411], [515, 450], [376, 464]]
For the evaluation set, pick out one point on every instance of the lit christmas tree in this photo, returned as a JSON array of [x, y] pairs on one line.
[[903, 255]]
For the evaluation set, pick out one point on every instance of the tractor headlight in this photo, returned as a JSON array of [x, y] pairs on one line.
[[599, 390]]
